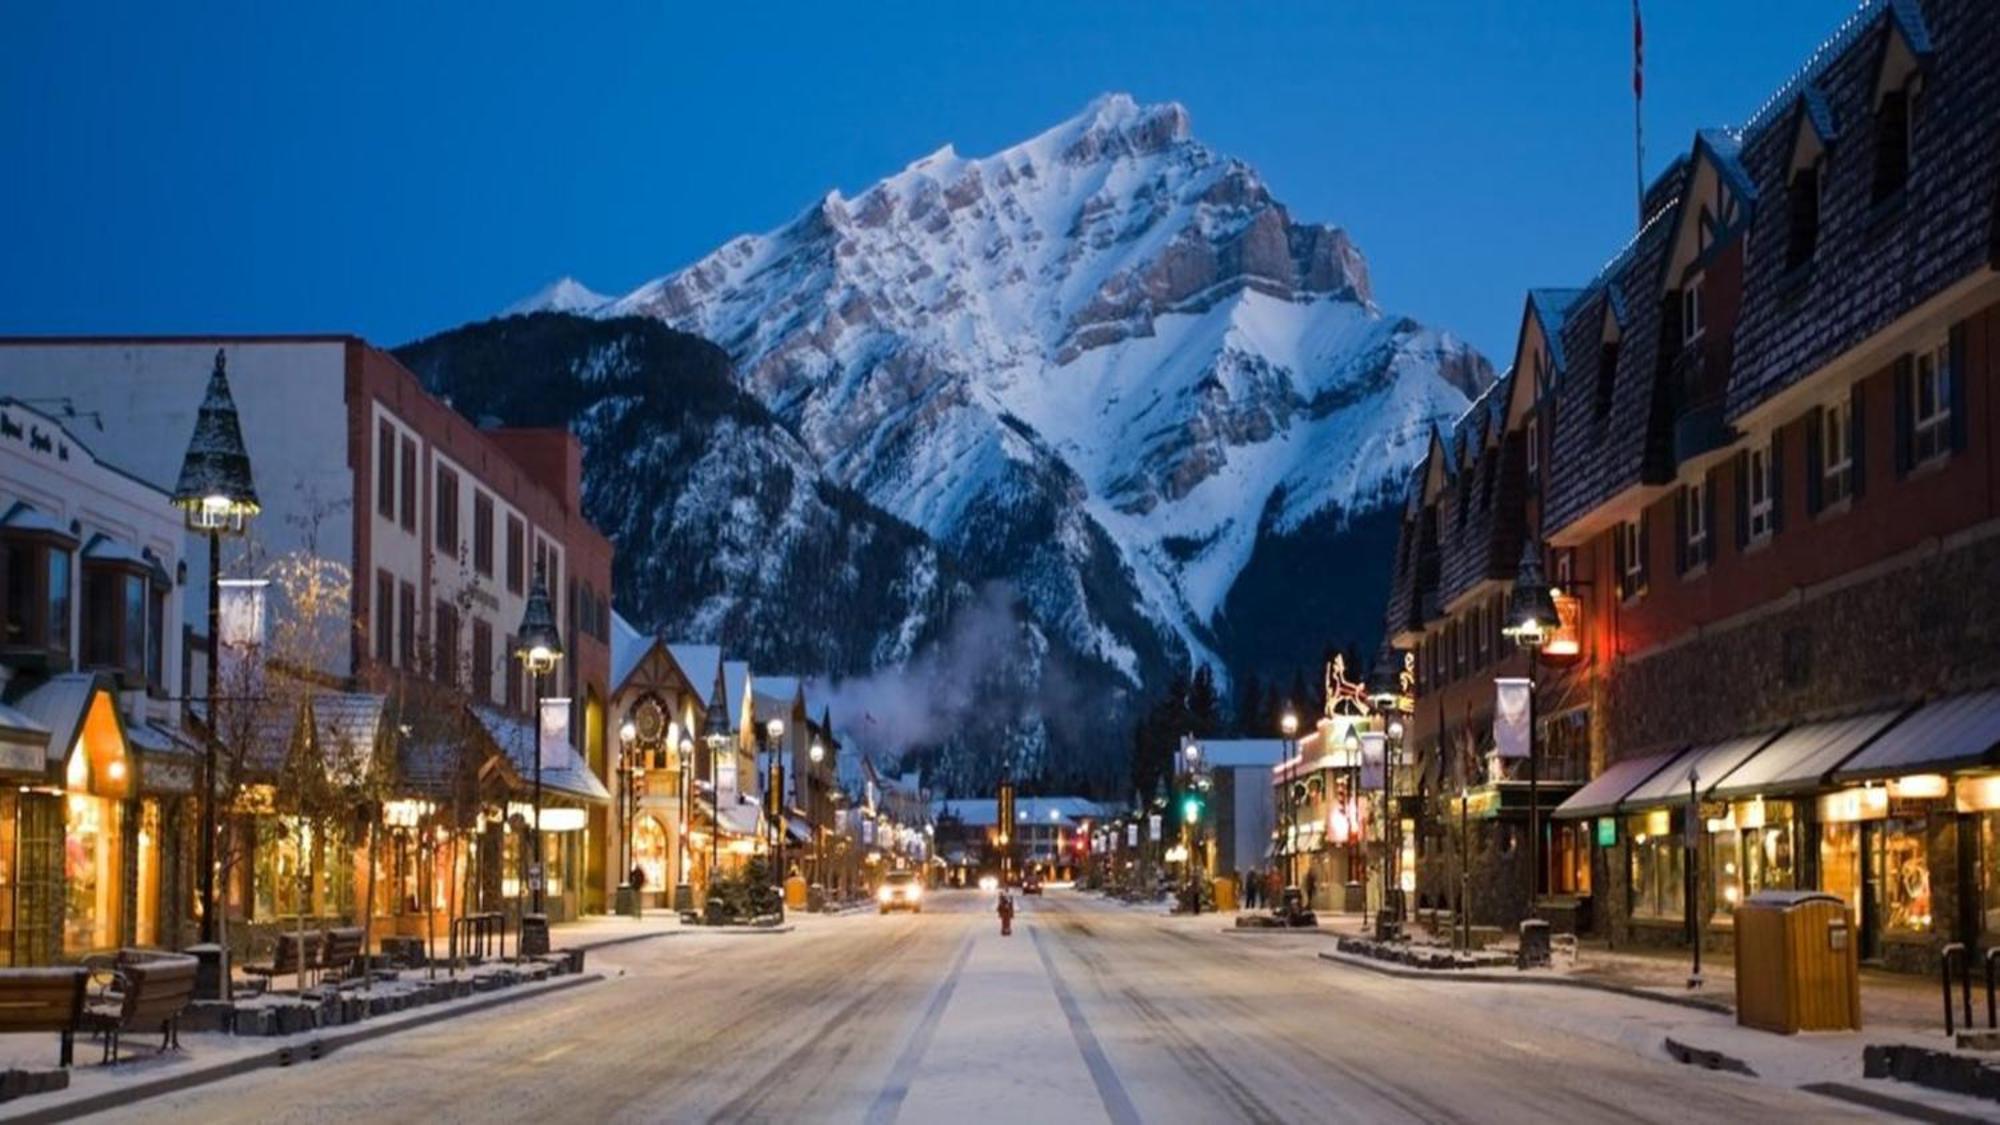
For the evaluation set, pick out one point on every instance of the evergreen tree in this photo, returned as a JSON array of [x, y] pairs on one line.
[[1204, 707], [1247, 713], [1301, 701]]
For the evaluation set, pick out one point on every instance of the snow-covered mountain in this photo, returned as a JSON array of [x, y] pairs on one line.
[[1104, 364]]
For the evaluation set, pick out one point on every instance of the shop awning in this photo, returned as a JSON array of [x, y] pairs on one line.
[[1601, 796], [24, 742], [168, 759], [1712, 763], [1799, 760], [1956, 732]]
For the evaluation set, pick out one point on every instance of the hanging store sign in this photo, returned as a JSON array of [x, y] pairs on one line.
[[1132, 835], [1565, 643], [1512, 699]]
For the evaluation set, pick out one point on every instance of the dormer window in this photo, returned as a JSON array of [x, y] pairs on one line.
[[1692, 310], [1803, 199], [1899, 101]]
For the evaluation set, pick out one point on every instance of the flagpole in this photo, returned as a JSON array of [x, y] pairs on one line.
[[1638, 123]]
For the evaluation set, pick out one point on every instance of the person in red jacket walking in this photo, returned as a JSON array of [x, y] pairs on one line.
[[1006, 911]]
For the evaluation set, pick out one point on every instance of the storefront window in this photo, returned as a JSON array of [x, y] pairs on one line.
[[1903, 883], [1658, 867], [91, 855], [10, 817], [1840, 863], [148, 920], [649, 852], [1989, 872]]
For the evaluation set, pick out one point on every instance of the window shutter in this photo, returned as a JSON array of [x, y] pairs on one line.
[[1708, 516], [1680, 530], [1777, 480], [1618, 558], [1815, 459], [1857, 442], [1645, 552], [1903, 377], [1956, 392], [1742, 498]]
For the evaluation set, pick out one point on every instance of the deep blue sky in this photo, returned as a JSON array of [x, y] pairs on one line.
[[394, 171]]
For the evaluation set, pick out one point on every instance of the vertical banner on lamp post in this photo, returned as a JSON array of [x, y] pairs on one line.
[[1511, 717], [553, 733]]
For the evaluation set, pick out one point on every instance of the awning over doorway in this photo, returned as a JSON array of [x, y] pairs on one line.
[[1601, 796], [1956, 732], [1711, 763], [1799, 759]]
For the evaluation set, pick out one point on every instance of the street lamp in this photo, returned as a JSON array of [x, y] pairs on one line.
[[1531, 617], [539, 648], [628, 737], [1289, 724], [683, 887], [715, 732], [1388, 692], [816, 752], [775, 781], [217, 497]]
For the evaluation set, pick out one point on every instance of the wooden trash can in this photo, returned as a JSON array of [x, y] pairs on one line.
[[795, 893], [1225, 894], [1797, 967]]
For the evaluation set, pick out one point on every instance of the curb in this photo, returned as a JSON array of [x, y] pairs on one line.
[[317, 1047], [1279, 931], [627, 939], [1889, 1103], [1688, 1055], [1711, 1006]]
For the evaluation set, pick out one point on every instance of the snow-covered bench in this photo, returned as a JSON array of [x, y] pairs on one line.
[[44, 1000]]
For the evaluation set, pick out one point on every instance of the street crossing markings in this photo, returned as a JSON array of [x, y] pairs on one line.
[[889, 1103], [1117, 1103]]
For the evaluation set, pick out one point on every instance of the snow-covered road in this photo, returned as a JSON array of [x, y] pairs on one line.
[[1090, 1012]]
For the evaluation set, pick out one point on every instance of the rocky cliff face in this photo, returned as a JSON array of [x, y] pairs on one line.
[[727, 530], [1104, 366]]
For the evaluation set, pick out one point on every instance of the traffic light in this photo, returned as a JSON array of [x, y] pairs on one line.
[[1191, 808]]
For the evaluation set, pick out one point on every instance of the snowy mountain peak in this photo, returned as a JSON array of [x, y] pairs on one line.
[[564, 294], [1103, 364]]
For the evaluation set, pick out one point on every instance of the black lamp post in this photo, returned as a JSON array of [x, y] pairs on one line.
[[628, 753], [683, 867], [1531, 617], [217, 497], [774, 733], [818, 755], [1289, 725], [715, 732], [1389, 693], [538, 647]]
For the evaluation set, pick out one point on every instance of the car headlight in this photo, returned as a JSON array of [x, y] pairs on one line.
[[916, 892], [885, 894]]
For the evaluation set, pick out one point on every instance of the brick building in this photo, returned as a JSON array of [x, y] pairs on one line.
[[441, 526], [1758, 450]]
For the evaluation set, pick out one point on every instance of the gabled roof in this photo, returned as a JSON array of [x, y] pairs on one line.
[[628, 647], [563, 769], [1550, 306], [699, 663], [60, 705]]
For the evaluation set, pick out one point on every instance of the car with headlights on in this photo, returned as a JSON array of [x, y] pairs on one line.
[[900, 891]]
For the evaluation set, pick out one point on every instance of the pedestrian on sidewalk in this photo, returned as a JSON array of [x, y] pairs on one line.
[[1006, 911], [1248, 879]]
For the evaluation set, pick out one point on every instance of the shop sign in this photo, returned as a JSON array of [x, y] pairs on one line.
[[1153, 826], [25, 759], [1607, 831]]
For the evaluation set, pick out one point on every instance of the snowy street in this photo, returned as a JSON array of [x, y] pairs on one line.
[[1089, 1012]]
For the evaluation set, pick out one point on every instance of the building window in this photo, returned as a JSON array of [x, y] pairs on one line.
[[1836, 444], [1694, 522], [385, 470], [445, 638], [516, 547], [1631, 545], [157, 593], [406, 626], [1692, 312], [445, 519], [482, 533], [1930, 404], [1607, 375], [385, 618], [1762, 495], [114, 610], [409, 489], [512, 675], [482, 661], [1534, 436]]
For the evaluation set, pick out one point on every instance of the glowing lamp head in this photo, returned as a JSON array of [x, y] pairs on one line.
[[817, 753], [775, 728], [628, 731], [1289, 724]]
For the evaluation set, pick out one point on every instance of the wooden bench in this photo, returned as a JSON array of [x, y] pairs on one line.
[[338, 952], [296, 955], [150, 994], [44, 1000]]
